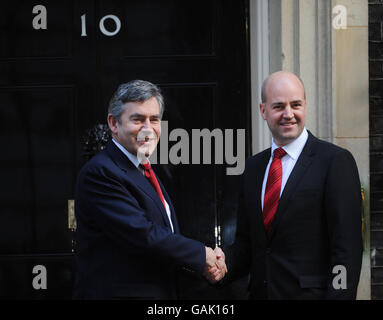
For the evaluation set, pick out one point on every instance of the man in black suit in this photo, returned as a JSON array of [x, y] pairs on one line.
[[128, 240], [299, 219]]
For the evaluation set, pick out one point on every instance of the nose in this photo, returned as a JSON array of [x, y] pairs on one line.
[[147, 123], [147, 130], [288, 112]]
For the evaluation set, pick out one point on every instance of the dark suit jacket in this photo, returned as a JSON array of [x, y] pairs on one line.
[[316, 227], [125, 247]]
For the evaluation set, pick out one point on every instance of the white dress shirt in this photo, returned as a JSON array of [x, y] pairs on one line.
[[136, 163], [289, 160]]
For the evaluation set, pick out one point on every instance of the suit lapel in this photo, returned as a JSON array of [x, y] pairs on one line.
[[131, 172], [295, 177], [172, 211]]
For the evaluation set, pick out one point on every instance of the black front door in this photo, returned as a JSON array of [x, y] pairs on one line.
[[55, 85]]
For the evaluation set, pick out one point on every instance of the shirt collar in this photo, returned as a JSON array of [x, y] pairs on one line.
[[293, 149], [130, 156]]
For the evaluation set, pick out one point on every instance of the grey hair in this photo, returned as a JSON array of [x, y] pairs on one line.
[[134, 91]]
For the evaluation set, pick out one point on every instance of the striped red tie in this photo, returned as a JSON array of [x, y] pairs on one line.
[[273, 188]]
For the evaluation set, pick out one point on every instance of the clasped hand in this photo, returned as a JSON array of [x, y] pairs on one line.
[[215, 268]]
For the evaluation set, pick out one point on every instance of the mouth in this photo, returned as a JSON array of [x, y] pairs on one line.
[[288, 124], [145, 139], [145, 142]]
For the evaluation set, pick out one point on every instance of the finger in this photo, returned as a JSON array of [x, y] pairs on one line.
[[218, 251], [218, 277], [213, 270], [220, 264]]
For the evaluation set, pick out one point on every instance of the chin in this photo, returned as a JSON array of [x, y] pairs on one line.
[[286, 139], [291, 137]]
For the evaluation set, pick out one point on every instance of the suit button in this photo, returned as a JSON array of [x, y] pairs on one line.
[[265, 282]]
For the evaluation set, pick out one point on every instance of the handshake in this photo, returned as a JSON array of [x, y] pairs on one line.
[[215, 268]]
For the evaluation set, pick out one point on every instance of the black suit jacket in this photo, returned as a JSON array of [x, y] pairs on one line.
[[317, 226], [125, 246]]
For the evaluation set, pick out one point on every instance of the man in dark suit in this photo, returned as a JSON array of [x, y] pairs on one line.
[[128, 240], [299, 219]]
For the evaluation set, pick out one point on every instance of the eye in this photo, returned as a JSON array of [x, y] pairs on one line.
[[136, 120]]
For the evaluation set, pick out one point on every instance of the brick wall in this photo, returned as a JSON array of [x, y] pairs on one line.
[[376, 144]]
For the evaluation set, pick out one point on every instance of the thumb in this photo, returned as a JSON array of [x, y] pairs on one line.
[[218, 251]]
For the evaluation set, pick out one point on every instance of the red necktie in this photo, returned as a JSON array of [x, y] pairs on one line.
[[273, 188], [149, 174]]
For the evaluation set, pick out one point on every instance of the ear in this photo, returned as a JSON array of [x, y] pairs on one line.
[[262, 110], [112, 123]]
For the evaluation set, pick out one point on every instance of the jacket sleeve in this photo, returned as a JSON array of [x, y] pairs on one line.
[[238, 255], [104, 201], [343, 213]]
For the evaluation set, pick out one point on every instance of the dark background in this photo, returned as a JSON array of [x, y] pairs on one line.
[[375, 32], [55, 86]]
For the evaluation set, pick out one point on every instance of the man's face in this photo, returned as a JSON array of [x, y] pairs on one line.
[[285, 108], [139, 128]]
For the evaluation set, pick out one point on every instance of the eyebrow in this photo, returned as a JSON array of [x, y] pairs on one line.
[[139, 115], [280, 102]]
